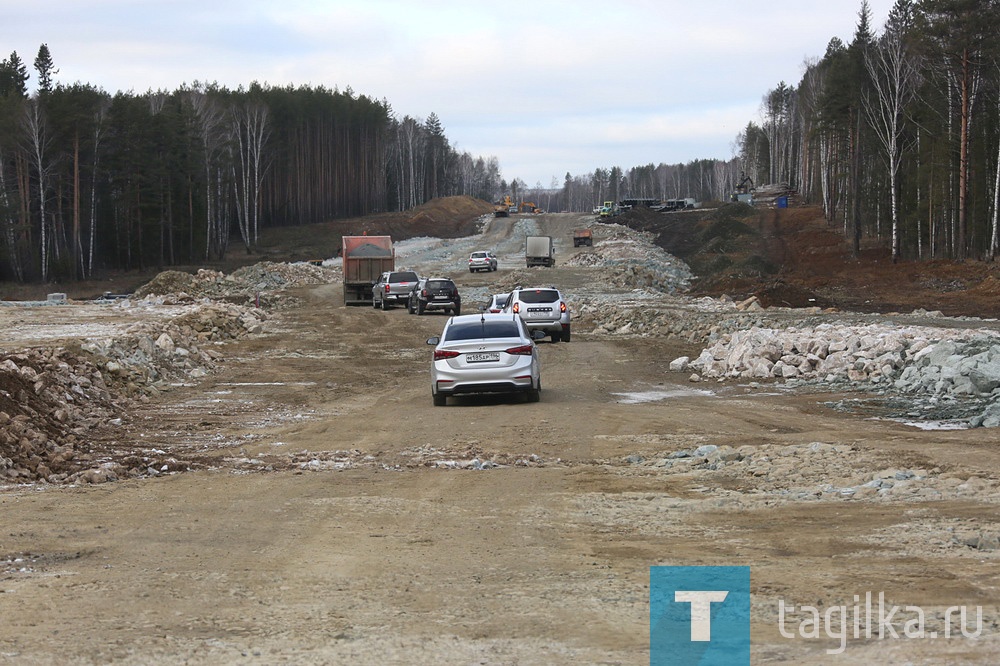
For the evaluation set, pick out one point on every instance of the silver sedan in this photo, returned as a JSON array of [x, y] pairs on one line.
[[485, 353]]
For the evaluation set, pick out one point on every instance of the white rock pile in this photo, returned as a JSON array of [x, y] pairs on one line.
[[907, 359]]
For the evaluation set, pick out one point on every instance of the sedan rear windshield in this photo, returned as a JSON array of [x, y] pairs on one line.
[[406, 276], [476, 330], [538, 296], [478, 255]]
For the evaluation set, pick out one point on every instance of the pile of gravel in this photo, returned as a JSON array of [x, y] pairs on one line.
[[939, 363], [248, 285], [55, 402]]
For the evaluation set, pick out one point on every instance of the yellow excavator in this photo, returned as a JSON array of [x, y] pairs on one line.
[[529, 207], [503, 207]]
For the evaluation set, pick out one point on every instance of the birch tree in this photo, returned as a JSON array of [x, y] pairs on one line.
[[208, 120], [36, 135], [894, 73], [250, 131]]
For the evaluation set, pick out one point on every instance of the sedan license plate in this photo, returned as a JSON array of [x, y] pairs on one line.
[[490, 357]]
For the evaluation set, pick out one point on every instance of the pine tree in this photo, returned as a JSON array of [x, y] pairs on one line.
[[45, 68], [13, 77]]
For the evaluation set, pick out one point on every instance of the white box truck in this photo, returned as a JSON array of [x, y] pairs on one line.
[[539, 251]]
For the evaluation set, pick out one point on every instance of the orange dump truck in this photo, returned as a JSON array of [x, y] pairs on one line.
[[365, 259], [583, 237]]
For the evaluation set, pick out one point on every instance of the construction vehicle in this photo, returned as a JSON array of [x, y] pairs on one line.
[[539, 251], [529, 207], [366, 258], [609, 209], [583, 237], [504, 207], [745, 190]]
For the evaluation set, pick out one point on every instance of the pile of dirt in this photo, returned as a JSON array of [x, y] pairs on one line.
[[443, 217], [55, 402], [258, 285], [793, 257], [49, 399]]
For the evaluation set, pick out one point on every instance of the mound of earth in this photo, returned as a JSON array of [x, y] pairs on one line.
[[792, 257], [443, 217]]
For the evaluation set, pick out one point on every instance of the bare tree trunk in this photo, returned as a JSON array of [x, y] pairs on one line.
[[35, 125], [994, 227], [963, 160], [77, 240]]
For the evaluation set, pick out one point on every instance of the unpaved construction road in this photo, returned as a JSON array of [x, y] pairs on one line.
[[335, 516]]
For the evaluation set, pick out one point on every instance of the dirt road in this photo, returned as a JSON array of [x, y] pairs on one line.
[[335, 516]]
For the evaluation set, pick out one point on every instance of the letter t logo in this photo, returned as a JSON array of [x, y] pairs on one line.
[[701, 610]]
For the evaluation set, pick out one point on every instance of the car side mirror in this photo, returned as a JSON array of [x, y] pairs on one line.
[[436, 339]]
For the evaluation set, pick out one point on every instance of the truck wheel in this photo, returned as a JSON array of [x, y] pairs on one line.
[[456, 311], [440, 400], [420, 307], [374, 304], [409, 307], [555, 337], [565, 333], [385, 304]]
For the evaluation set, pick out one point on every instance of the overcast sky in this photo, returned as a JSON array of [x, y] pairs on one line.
[[548, 87]]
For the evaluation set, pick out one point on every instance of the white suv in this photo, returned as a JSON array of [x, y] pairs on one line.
[[483, 260], [541, 309]]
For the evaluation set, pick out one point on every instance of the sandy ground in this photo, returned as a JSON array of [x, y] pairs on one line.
[[337, 517]]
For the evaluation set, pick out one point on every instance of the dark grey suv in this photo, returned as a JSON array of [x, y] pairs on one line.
[[439, 293]]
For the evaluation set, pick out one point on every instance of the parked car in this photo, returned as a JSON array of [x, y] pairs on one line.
[[542, 309], [496, 303], [439, 293], [392, 288], [483, 260], [485, 353]]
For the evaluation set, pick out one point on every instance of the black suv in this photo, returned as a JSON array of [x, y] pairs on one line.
[[435, 294]]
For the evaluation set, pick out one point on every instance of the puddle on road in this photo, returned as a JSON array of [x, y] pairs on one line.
[[933, 425], [924, 413], [266, 384], [641, 397]]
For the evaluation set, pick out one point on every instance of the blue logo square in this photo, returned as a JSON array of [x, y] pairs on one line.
[[699, 615]]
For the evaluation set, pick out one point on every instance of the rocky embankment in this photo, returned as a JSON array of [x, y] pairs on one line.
[[53, 401], [934, 366]]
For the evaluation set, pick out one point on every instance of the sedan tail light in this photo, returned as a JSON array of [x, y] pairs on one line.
[[440, 355], [523, 350], [387, 288]]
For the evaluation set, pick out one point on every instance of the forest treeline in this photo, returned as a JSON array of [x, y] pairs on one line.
[[92, 181], [895, 134]]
